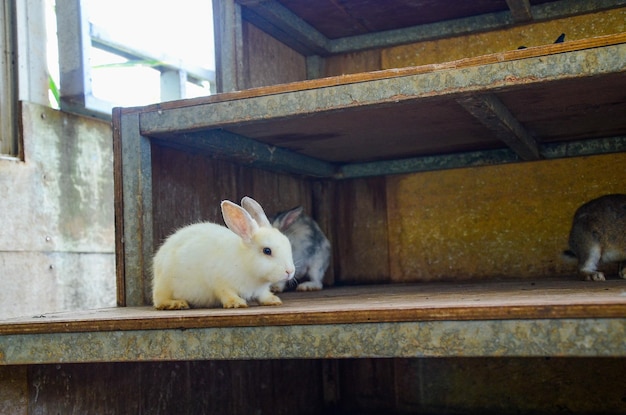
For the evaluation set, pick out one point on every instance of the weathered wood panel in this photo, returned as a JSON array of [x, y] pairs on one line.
[[541, 386], [188, 187], [378, 303], [509, 221], [203, 387], [352, 18], [268, 61], [355, 62], [360, 231], [13, 390], [487, 386], [324, 212]]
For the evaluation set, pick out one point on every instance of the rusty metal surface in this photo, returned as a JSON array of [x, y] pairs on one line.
[[566, 337]]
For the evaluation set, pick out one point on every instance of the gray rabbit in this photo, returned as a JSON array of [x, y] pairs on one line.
[[599, 235], [311, 249]]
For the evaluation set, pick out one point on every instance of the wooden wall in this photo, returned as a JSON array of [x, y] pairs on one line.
[[268, 61], [475, 223], [533, 34], [459, 47], [507, 221], [351, 386], [204, 387], [483, 386], [461, 224], [188, 188]]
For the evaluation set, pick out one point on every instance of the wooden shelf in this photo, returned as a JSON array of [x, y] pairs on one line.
[[524, 104], [549, 299], [546, 102], [575, 318]]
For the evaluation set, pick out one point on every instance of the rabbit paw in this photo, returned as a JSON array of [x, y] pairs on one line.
[[234, 302], [622, 271], [309, 286], [270, 299], [173, 305], [595, 276]]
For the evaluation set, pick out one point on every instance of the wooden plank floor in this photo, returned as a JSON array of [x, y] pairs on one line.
[[537, 299]]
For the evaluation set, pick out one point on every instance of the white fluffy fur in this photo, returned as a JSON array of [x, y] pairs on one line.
[[206, 265]]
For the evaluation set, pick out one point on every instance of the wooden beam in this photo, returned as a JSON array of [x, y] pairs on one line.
[[228, 146], [566, 149], [228, 46], [133, 204], [490, 111], [427, 163], [278, 21], [520, 10]]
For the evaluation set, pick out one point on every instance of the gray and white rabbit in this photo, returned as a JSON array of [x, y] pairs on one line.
[[311, 249], [598, 235], [207, 265]]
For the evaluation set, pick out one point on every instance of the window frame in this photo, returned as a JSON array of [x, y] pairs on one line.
[[9, 145], [75, 41]]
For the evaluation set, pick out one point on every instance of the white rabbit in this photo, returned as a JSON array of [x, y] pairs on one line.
[[205, 264]]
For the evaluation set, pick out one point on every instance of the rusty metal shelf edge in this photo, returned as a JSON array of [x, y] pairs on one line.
[[495, 338]]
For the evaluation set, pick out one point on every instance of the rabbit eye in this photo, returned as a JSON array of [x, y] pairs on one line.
[[267, 251]]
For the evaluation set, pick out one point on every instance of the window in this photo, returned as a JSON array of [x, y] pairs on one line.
[[127, 53], [8, 81]]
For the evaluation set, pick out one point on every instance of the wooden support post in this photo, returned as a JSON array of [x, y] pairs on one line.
[[228, 46], [277, 20], [520, 10], [133, 196], [490, 111], [8, 83]]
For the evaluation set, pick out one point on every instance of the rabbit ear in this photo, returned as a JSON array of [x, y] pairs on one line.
[[289, 217], [238, 220], [254, 208]]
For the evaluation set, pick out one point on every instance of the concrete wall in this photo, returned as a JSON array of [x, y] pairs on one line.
[[56, 216]]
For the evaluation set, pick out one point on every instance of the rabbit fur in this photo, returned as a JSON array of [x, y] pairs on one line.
[[311, 249], [598, 235], [207, 265]]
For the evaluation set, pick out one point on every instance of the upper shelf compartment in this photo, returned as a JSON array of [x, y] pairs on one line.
[[551, 101], [329, 27]]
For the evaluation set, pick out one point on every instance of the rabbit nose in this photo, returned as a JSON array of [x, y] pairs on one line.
[[290, 274]]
